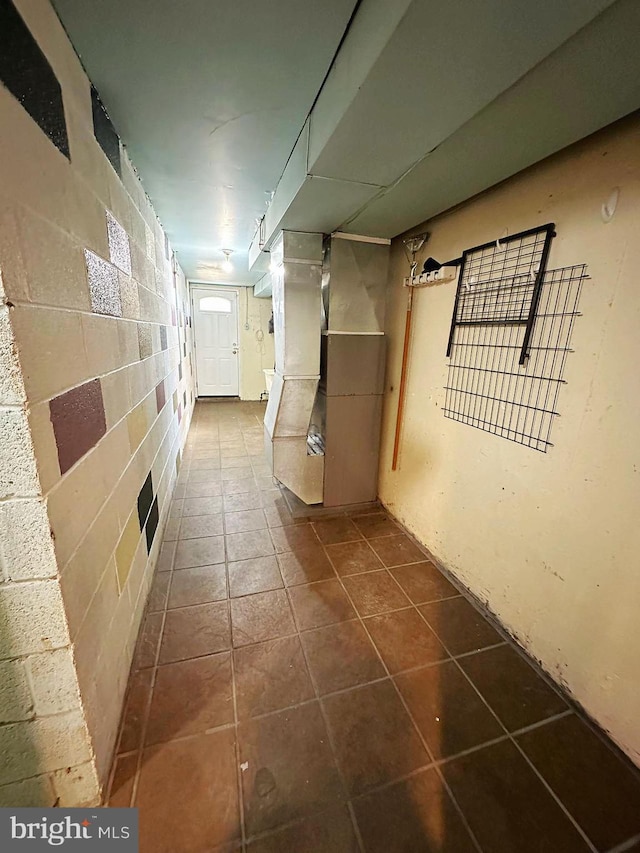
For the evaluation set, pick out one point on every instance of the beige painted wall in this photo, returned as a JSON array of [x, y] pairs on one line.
[[76, 567], [551, 542], [255, 355]]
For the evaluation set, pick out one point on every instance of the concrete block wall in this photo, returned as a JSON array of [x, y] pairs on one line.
[[96, 395]]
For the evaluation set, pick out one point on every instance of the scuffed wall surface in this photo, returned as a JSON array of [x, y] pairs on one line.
[[101, 319], [549, 541]]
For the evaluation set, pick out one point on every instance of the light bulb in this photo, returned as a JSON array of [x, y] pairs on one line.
[[227, 266]]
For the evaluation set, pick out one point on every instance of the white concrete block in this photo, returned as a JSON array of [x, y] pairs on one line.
[[76, 787], [31, 618], [11, 385], [26, 545], [15, 697], [18, 473], [42, 745], [36, 792], [53, 682]]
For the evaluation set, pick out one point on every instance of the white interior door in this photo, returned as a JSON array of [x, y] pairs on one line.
[[215, 314]]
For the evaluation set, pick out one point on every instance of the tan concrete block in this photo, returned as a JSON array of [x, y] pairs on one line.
[[18, 474], [76, 787], [141, 267], [74, 503], [103, 709], [13, 278], [102, 343], [112, 456], [91, 636], [31, 618], [147, 211], [129, 296], [149, 303], [36, 792], [33, 171], [45, 447], [89, 163], [159, 468], [130, 180], [26, 546], [53, 682], [138, 226], [43, 744], [86, 207], [51, 350], [128, 337], [138, 426], [128, 487], [126, 548], [116, 396], [53, 263], [82, 574], [120, 202], [140, 576], [113, 652], [15, 697], [139, 383]]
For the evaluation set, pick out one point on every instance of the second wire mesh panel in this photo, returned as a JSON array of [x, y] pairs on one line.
[[486, 386]]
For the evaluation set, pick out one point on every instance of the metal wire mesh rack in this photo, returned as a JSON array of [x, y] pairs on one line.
[[488, 385], [499, 282]]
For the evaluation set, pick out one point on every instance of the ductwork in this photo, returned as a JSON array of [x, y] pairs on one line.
[[322, 424], [296, 278]]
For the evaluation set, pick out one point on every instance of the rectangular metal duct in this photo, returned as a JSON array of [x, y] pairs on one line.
[[296, 262]]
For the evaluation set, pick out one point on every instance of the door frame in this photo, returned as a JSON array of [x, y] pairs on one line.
[[215, 290]]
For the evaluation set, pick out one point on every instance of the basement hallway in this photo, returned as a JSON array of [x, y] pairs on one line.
[[318, 685]]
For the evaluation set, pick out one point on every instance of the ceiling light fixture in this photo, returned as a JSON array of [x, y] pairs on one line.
[[227, 266]]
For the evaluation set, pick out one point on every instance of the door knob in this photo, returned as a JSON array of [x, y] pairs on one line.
[[234, 351]]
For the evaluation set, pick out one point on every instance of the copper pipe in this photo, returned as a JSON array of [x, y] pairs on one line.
[[403, 380]]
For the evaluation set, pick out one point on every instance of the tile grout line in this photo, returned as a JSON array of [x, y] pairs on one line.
[[413, 723], [511, 738], [238, 756], [147, 711], [332, 746], [625, 845], [237, 749]]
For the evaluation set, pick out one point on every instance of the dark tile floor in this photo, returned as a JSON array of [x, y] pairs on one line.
[[318, 685]]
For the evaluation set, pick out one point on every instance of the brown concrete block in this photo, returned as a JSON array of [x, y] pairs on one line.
[[78, 422]]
